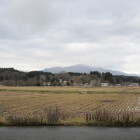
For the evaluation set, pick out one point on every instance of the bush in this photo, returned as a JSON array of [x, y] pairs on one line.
[[53, 115]]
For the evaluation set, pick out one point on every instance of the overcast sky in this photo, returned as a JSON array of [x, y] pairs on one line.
[[38, 34]]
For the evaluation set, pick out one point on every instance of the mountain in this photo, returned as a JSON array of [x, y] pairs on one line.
[[81, 69]]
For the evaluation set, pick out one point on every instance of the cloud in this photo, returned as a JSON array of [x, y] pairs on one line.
[[35, 34], [25, 18]]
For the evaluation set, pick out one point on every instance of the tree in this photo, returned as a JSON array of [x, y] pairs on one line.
[[108, 76], [96, 73]]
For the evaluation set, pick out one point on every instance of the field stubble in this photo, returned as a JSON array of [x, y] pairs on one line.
[[67, 106]]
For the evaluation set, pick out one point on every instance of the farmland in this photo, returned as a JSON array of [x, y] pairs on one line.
[[69, 105]]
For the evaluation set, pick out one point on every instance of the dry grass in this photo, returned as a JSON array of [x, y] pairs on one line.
[[30, 103], [76, 89]]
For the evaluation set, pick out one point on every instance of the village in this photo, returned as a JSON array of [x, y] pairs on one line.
[[83, 80]]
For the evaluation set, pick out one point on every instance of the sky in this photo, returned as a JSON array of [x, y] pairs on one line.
[[38, 34]]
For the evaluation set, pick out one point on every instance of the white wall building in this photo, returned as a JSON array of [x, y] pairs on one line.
[[104, 84]]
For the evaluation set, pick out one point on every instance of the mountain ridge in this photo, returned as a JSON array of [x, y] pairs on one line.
[[82, 69]]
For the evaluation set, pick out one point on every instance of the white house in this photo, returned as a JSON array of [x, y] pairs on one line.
[[104, 84], [134, 85]]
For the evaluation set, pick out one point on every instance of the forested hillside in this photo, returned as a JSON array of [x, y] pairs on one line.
[[12, 77]]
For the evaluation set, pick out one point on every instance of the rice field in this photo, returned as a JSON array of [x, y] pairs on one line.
[[71, 103]]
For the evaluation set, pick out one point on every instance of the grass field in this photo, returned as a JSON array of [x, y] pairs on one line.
[[116, 106]]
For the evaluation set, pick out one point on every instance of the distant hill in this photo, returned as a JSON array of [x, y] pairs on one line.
[[8, 70], [82, 69], [76, 76]]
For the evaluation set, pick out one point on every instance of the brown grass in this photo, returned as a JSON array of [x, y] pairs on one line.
[[94, 89], [44, 107]]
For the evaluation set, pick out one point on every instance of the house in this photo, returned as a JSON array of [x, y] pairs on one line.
[[134, 85], [64, 83], [104, 84]]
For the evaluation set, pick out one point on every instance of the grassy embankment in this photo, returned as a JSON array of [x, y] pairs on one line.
[[110, 106]]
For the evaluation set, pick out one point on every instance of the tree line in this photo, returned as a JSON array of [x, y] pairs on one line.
[[12, 77]]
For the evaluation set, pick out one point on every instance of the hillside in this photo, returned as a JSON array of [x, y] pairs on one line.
[[82, 69], [12, 77]]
